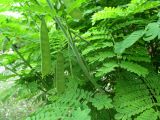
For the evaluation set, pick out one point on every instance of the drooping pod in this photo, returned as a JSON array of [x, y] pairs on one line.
[[60, 80], [45, 49]]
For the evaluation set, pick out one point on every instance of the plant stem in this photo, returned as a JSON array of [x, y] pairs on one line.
[[19, 54]]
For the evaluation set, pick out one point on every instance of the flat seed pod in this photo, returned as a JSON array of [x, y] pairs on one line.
[[60, 81], [45, 50]]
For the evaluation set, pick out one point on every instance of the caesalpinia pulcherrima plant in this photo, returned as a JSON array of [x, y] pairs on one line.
[[83, 59]]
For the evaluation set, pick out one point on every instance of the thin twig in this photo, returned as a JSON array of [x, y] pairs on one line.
[[20, 55]]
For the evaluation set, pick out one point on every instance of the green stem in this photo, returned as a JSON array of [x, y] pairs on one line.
[[70, 62], [79, 36], [19, 54], [11, 70], [68, 36]]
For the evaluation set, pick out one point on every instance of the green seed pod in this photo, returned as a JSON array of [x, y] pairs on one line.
[[60, 81], [45, 49]]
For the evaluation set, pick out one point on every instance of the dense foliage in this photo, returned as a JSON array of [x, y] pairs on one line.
[[82, 59]]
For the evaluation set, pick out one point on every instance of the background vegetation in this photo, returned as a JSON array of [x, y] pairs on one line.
[[80, 59]]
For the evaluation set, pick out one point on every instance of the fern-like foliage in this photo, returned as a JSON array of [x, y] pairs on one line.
[[57, 41], [103, 43], [117, 55], [72, 5], [129, 66], [67, 108], [101, 56], [72, 105], [98, 40], [142, 57], [152, 31], [108, 12], [135, 68], [128, 23], [101, 101], [120, 45], [136, 97], [134, 7], [106, 68], [129, 41], [148, 114]]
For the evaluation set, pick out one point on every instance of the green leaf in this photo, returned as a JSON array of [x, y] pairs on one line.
[[106, 68], [101, 101], [74, 5], [128, 42], [101, 56], [152, 31], [135, 68], [132, 8], [133, 97], [148, 115], [81, 114], [108, 12], [73, 8]]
